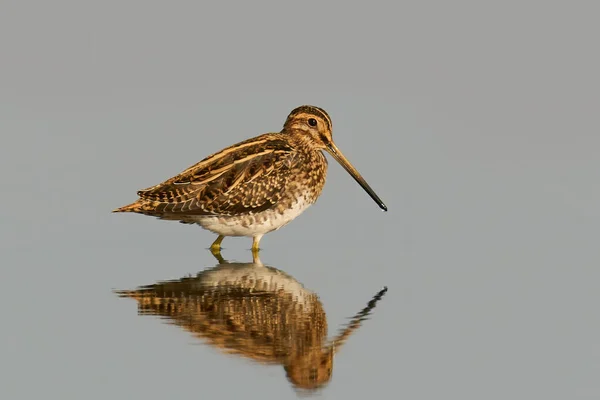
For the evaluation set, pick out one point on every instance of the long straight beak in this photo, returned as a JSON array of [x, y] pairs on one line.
[[339, 157]]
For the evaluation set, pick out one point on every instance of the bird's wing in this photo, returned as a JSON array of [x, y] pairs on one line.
[[245, 178]]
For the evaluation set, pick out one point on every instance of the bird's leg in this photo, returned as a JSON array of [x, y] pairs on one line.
[[219, 257], [255, 242], [215, 248], [256, 259]]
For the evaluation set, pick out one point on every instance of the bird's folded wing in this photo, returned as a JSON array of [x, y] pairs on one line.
[[246, 178]]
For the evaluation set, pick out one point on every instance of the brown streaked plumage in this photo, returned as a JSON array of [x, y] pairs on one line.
[[253, 311], [253, 187]]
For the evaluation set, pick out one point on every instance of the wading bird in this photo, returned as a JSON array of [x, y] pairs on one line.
[[253, 187]]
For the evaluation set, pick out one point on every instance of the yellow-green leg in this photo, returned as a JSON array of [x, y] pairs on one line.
[[219, 257], [255, 242], [215, 248], [256, 258]]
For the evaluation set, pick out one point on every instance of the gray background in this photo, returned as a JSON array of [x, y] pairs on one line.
[[477, 124]]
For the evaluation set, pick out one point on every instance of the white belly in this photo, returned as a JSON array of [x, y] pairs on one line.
[[252, 225]]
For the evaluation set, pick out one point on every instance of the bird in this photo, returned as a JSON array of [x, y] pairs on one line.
[[253, 187]]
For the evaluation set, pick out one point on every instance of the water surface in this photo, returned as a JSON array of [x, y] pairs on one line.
[[476, 123]]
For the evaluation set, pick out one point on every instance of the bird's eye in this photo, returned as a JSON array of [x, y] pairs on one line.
[[312, 122]]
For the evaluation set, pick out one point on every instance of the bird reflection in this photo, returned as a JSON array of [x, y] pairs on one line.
[[255, 311]]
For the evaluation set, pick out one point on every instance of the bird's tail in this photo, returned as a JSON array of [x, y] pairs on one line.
[[139, 206]]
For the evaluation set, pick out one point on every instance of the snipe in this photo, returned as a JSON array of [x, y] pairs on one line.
[[253, 187]]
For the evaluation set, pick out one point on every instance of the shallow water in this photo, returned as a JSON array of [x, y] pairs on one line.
[[476, 124], [254, 311]]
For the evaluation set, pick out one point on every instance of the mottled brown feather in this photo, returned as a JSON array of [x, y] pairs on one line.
[[245, 178]]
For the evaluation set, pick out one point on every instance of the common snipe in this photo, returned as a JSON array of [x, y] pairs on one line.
[[253, 187]]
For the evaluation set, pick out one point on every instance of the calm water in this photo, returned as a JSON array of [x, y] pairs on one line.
[[254, 311], [476, 124]]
